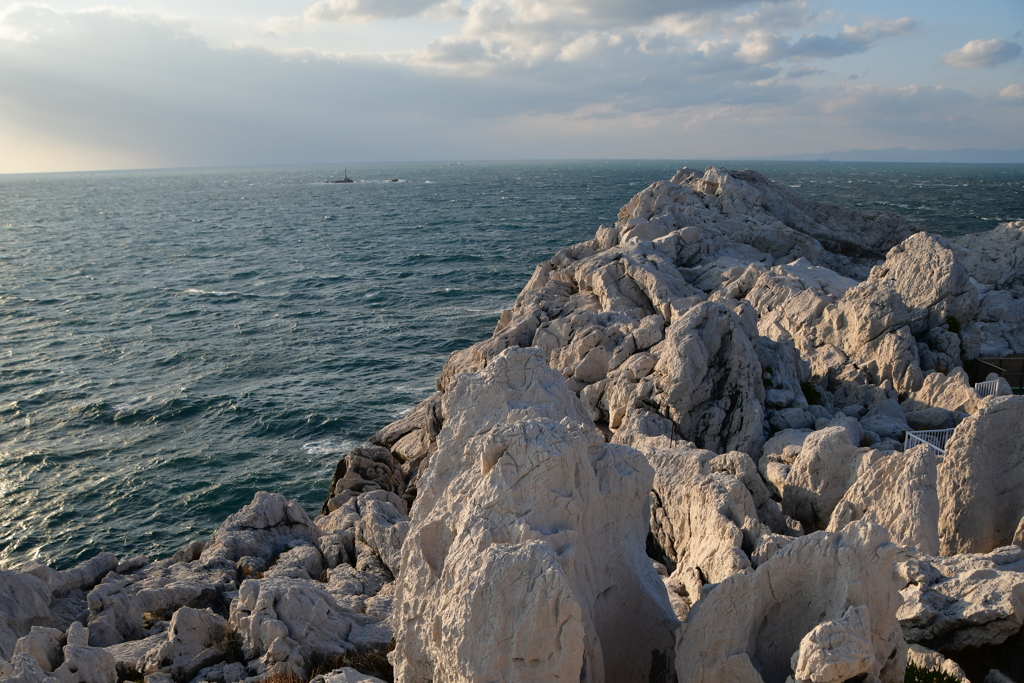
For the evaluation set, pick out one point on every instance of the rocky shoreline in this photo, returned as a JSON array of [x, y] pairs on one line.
[[680, 457]]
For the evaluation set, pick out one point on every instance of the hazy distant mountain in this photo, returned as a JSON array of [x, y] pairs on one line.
[[968, 155]]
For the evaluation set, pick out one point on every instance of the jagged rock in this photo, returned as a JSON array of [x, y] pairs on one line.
[[345, 675], [886, 419], [748, 627], [84, 664], [129, 654], [838, 650], [24, 603], [823, 471], [303, 562], [702, 518], [383, 527], [970, 600], [84, 576], [23, 669], [997, 676], [261, 529], [190, 553], [196, 639], [223, 673], [44, 644], [509, 572], [364, 469], [896, 491], [708, 381], [981, 478], [283, 620], [951, 392], [778, 456], [933, 661], [118, 604], [993, 257]]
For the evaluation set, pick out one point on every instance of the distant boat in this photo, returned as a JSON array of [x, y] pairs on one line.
[[344, 179]]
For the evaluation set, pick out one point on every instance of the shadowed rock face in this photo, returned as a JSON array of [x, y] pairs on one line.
[[981, 479], [525, 559], [749, 626]]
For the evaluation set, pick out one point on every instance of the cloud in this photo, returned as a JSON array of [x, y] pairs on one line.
[[850, 40], [1014, 91], [365, 10], [980, 54]]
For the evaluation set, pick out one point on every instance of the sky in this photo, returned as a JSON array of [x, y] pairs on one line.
[[186, 83]]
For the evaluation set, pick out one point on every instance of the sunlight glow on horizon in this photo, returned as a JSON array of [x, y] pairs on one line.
[[154, 84]]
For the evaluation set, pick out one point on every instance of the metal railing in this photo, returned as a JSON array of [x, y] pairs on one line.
[[936, 438], [988, 388]]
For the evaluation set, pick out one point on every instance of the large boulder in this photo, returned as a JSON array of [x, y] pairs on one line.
[[752, 626], [287, 624], [708, 381], [981, 479], [525, 557], [24, 603], [967, 601], [821, 474], [261, 529], [896, 491]]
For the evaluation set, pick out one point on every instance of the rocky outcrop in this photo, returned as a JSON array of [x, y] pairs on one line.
[[981, 479], [760, 625], [896, 491], [525, 557], [967, 601], [616, 485]]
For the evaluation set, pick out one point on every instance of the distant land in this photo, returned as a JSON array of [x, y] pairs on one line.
[[968, 155]]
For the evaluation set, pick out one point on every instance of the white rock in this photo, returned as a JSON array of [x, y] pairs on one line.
[[84, 664], [968, 600], [826, 467], [525, 559], [261, 529], [981, 479], [44, 644], [897, 491], [748, 627], [293, 620], [24, 603], [345, 675], [302, 562], [708, 381], [117, 604], [838, 650], [933, 661], [196, 639]]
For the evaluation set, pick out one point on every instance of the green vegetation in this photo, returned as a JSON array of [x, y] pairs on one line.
[[811, 392], [916, 674]]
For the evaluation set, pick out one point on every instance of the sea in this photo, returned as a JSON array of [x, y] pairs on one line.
[[173, 341]]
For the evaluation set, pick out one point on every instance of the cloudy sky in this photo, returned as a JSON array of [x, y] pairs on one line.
[[170, 83]]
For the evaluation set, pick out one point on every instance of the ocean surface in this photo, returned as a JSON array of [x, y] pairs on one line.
[[174, 341]]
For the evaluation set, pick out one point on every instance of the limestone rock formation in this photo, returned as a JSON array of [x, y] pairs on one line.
[[752, 626], [970, 600], [981, 479], [525, 557], [897, 491]]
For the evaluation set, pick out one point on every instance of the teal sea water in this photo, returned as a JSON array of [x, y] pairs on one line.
[[174, 341]]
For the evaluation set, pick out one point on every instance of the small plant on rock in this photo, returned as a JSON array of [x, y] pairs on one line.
[[917, 674]]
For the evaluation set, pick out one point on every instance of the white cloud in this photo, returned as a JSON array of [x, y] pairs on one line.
[[980, 54], [1014, 91]]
